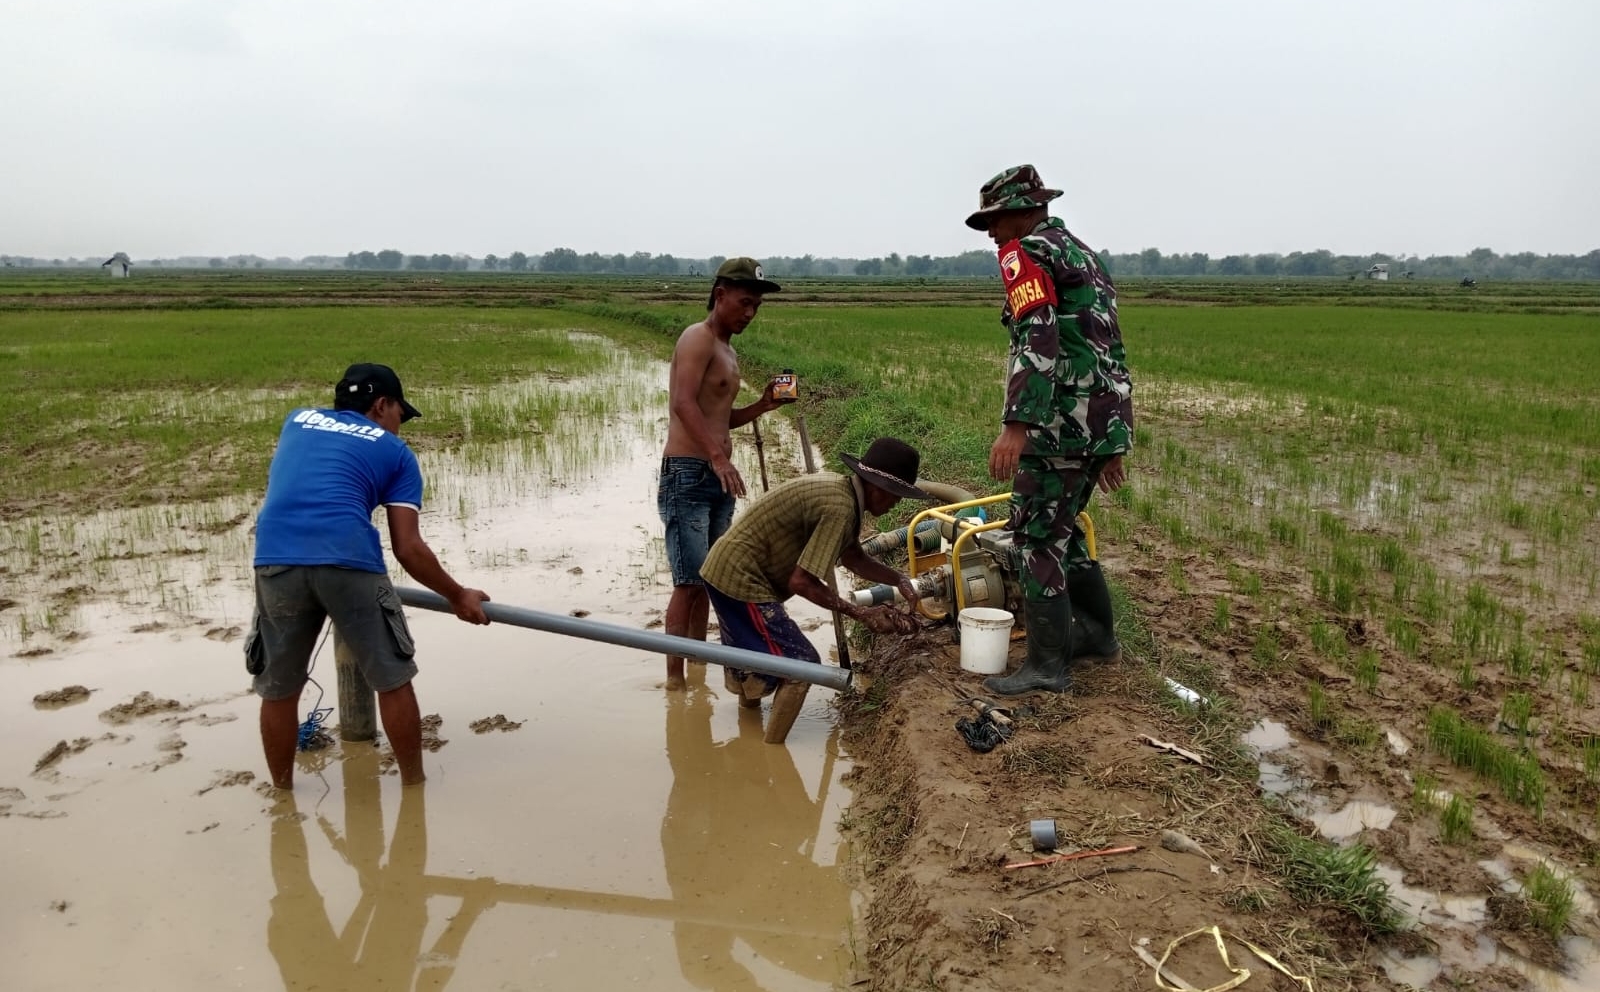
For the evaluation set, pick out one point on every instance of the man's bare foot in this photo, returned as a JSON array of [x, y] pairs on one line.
[[676, 683]]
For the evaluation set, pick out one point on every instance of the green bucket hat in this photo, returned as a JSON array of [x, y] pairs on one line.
[[741, 271], [1017, 188]]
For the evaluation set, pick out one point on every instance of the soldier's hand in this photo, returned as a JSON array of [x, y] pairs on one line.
[[732, 482], [1113, 475], [1007, 452], [468, 605]]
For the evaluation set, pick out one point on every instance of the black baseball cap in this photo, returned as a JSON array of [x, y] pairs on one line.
[[364, 382]]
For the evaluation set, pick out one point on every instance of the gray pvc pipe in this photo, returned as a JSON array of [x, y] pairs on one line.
[[649, 640]]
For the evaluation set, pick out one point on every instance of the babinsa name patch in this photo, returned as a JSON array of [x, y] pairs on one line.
[[1027, 288]]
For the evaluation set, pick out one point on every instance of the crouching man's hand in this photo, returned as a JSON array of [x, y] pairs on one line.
[[888, 620]]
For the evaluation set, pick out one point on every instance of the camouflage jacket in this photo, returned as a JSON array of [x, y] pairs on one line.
[[1068, 377]]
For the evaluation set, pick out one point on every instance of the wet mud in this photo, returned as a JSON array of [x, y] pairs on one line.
[[144, 704], [66, 696], [496, 722], [623, 836]]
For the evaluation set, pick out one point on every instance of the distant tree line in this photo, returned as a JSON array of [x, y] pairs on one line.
[[1480, 263], [643, 263]]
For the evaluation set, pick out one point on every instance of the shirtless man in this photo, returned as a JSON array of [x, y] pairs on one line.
[[698, 481]]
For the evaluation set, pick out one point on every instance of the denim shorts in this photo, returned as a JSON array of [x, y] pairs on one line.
[[292, 601], [695, 510]]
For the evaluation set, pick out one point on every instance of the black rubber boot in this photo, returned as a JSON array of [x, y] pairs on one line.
[[1045, 669], [1094, 636]]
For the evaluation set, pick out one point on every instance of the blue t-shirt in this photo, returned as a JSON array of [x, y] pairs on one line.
[[331, 470]]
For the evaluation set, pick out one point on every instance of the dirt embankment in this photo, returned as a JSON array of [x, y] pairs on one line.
[[936, 823]]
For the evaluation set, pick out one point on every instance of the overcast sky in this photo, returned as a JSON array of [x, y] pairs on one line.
[[781, 127]]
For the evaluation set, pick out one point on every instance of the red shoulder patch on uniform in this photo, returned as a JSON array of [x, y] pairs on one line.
[[1027, 285]]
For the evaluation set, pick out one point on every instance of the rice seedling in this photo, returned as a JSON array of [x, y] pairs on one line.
[[1424, 792], [1516, 514], [1220, 616], [1401, 590], [1517, 774], [1345, 593], [1318, 707], [1578, 689], [1549, 667], [1591, 654], [1332, 527], [1392, 556], [1356, 732], [1367, 670], [1549, 897], [1591, 758], [1455, 820], [1404, 634], [1328, 639], [1347, 562], [1516, 713], [1265, 652], [1286, 532], [1431, 600], [1519, 659], [1466, 672]]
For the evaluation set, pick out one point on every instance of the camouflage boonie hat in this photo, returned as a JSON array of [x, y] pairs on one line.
[[1017, 188]]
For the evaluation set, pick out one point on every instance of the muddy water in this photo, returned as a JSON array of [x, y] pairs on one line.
[[620, 836], [1453, 920]]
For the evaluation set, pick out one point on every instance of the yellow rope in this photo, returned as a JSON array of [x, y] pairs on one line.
[[1240, 975]]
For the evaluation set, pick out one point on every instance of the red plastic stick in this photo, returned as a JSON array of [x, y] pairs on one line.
[[1073, 857]]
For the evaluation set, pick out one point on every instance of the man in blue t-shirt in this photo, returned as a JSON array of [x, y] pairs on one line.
[[318, 557]]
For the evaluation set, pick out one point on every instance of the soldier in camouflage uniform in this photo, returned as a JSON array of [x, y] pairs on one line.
[[1068, 420]]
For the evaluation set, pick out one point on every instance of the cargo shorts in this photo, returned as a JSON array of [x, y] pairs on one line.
[[293, 601]]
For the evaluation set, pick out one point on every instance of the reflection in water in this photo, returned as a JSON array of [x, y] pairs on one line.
[[380, 946], [738, 837], [1267, 736], [1353, 818]]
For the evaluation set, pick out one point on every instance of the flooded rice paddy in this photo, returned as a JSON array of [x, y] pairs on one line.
[[592, 832]]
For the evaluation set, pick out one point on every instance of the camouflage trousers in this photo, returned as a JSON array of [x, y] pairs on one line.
[[1046, 496]]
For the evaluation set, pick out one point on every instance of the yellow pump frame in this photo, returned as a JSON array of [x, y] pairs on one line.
[[964, 535]]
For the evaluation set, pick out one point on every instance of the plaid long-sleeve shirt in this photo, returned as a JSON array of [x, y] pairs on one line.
[[806, 522]]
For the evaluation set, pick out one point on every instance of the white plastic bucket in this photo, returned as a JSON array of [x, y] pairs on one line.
[[985, 635]]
